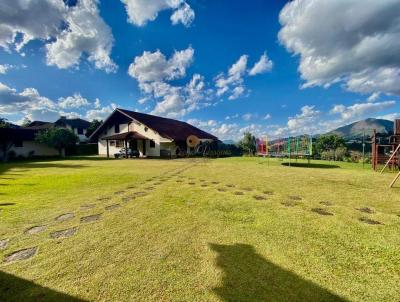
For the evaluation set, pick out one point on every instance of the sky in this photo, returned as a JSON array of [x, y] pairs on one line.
[[274, 68]]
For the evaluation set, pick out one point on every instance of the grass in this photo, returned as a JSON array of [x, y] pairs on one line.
[[189, 237]]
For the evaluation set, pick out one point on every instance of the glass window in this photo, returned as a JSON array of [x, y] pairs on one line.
[[112, 143], [152, 144], [80, 131], [116, 128], [120, 144]]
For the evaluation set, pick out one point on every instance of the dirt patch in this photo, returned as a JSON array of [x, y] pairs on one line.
[[289, 203], [295, 197], [204, 185], [35, 229], [3, 244], [21, 255], [103, 198], [369, 221], [119, 192], [191, 183], [268, 192], [221, 190], [64, 233], [65, 217], [113, 207], [85, 207], [366, 210], [90, 218], [238, 193], [230, 186], [327, 203], [248, 189], [259, 197], [215, 182], [321, 211]]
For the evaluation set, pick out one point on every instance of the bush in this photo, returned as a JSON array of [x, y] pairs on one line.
[[355, 156]]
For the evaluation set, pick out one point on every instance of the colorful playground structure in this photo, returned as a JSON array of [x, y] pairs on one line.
[[290, 147]]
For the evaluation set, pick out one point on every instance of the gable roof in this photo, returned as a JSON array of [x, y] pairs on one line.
[[73, 122], [39, 125], [166, 127], [16, 134]]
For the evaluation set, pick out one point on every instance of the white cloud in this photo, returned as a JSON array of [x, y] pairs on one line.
[[237, 92], [267, 117], [249, 116], [233, 82], [154, 66], [86, 34], [305, 122], [262, 66], [142, 11], [390, 116], [74, 101], [4, 68], [100, 113], [31, 19], [359, 110], [185, 15], [358, 46]]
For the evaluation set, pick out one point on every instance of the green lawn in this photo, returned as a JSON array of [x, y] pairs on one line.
[[235, 229]]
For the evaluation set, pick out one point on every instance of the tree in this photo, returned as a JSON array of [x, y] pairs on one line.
[[26, 122], [58, 138], [4, 123], [329, 142], [93, 126], [248, 144]]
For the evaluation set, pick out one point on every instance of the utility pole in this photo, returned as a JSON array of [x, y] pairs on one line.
[[363, 148]]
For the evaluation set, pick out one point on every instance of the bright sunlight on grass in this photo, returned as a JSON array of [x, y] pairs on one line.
[[236, 229]]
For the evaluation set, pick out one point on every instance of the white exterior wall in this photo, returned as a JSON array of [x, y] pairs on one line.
[[82, 137], [39, 149]]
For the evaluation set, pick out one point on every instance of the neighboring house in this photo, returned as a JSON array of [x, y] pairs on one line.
[[22, 142], [76, 125], [152, 136]]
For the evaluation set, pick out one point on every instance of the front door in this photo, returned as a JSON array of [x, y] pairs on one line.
[[133, 145]]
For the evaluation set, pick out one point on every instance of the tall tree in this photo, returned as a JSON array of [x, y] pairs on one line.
[[58, 138], [329, 142], [248, 144], [93, 126], [4, 123]]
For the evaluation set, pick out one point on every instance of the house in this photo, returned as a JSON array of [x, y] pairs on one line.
[[76, 125], [21, 142], [151, 135]]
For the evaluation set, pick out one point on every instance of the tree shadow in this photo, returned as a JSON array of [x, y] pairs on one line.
[[25, 166], [250, 277], [13, 289], [311, 165]]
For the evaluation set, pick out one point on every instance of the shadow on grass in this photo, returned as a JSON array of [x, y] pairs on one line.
[[25, 166], [250, 277], [13, 289], [311, 165]]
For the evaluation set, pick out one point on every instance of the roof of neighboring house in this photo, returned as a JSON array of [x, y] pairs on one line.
[[73, 122], [124, 136], [168, 128], [39, 125], [16, 134]]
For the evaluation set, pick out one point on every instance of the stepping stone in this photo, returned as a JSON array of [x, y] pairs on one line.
[[21, 255], [3, 244], [295, 197], [64, 233], [259, 197], [366, 210], [128, 198], [221, 190], [191, 183], [289, 203], [65, 217], [327, 203], [238, 193], [179, 180], [90, 218], [215, 182], [204, 185], [87, 206], [119, 192], [230, 186], [149, 188], [112, 207], [248, 189], [321, 211], [268, 192], [131, 187], [35, 229], [103, 198], [369, 221]]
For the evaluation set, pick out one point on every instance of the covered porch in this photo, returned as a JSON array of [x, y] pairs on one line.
[[131, 139]]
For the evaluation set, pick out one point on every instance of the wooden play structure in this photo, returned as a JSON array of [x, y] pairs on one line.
[[386, 151]]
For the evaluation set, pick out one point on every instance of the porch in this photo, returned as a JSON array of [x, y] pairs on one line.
[[132, 140]]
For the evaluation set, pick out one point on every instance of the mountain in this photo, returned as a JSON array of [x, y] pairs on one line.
[[368, 125]]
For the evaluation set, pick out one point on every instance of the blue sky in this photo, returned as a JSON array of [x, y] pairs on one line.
[[195, 61]]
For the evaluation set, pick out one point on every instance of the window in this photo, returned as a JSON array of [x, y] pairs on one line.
[[145, 129], [18, 144], [80, 131], [120, 144], [152, 144], [116, 128], [112, 143]]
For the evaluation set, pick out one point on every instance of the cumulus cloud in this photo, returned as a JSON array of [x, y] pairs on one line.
[[232, 82], [69, 32], [359, 110], [154, 71], [262, 66], [142, 11], [349, 41], [4, 68], [87, 34], [100, 113], [31, 104]]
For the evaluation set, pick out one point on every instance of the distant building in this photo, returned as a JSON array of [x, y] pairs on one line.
[[150, 135]]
